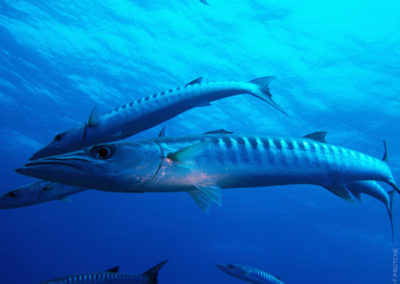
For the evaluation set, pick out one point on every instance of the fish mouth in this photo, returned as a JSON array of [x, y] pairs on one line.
[[73, 162]]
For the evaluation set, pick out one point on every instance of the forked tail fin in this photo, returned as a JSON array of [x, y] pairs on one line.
[[152, 273], [390, 207], [390, 181], [264, 94]]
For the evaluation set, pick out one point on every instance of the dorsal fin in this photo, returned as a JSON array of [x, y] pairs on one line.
[[195, 81], [152, 273], [94, 117], [317, 136], [162, 132], [385, 153], [113, 270], [219, 131]]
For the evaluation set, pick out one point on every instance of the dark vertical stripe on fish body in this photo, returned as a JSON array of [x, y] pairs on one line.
[[242, 150]]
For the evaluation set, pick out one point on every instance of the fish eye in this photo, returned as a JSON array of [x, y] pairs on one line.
[[102, 152], [58, 137], [13, 194]]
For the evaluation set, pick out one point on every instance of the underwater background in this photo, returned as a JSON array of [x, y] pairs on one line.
[[337, 67]]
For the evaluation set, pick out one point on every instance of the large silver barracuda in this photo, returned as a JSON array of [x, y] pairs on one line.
[[147, 112], [37, 192], [249, 274], [112, 276], [202, 165]]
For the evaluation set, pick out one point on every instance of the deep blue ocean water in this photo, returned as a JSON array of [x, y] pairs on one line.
[[337, 67]]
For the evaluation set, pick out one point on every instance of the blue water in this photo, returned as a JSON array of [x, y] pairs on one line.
[[337, 64]]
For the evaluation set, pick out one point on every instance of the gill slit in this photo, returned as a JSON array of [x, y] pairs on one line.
[[162, 157], [84, 135]]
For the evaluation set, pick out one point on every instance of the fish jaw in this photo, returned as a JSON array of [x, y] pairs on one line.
[[66, 170]]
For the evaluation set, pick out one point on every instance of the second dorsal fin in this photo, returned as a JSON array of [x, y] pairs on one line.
[[195, 81], [317, 136], [93, 117], [219, 131], [113, 270]]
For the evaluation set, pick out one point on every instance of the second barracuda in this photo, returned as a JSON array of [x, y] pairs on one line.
[[202, 165], [147, 112], [37, 192]]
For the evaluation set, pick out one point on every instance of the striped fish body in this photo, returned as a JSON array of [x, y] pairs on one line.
[[249, 274], [101, 278], [231, 161], [257, 276], [225, 161], [112, 276], [147, 112]]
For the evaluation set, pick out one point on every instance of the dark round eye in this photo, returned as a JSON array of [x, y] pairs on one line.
[[102, 152], [58, 137], [13, 194], [230, 265]]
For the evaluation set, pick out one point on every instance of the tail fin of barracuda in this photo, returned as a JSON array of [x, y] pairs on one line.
[[152, 273], [385, 158], [391, 198], [264, 94]]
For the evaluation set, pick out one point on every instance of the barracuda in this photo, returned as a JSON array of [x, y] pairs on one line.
[[249, 274], [112, 276], [37, 192], [147, 112], [202, 165]]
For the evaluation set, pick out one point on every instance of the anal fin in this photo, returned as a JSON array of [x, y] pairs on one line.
[[340, 191]]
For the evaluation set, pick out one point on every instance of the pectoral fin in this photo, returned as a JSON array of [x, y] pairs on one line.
[[187, 152]]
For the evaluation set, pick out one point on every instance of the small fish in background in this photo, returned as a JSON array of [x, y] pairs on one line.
[[37, 192], [205, 2], [112, 276], [249, 274], [150, 111]]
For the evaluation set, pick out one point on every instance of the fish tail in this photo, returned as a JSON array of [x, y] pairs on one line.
[[385, 159], [152, 273], [389, 209], [264, 92]]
